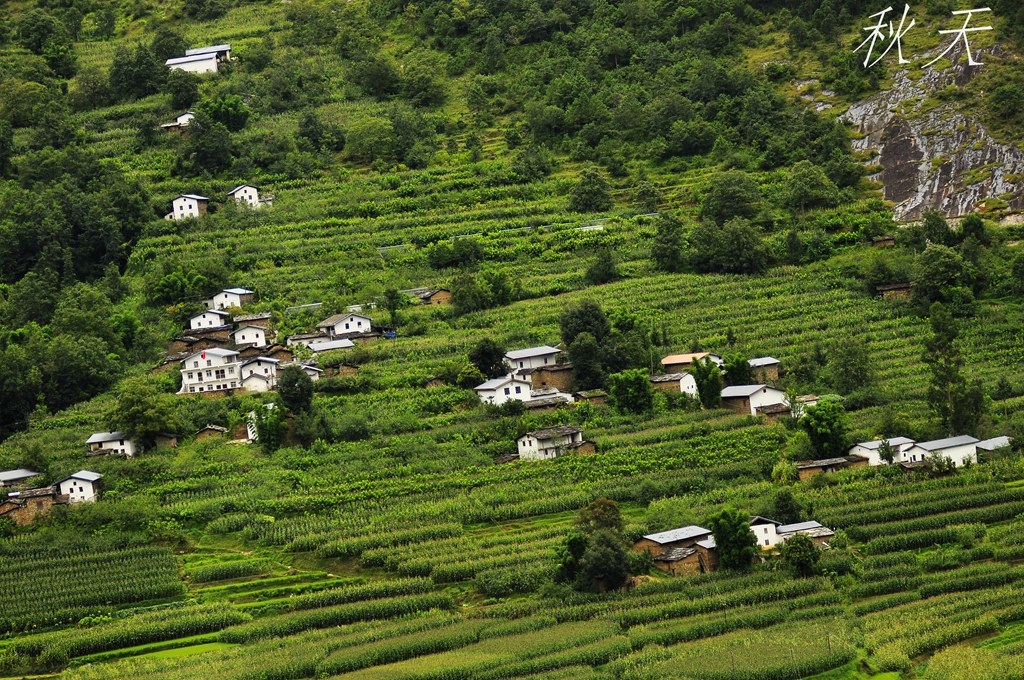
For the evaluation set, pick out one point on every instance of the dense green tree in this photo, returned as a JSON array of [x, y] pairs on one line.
[[709, 381], [801, 555], [316, 135], [270, 425], [141, 411], [886, 453], [732, 194], [645, 197], [736, 543], [168, 43], [584, 317], [942, 276], [667, 248], [807, 185], [603, 269], [601, 515], [849, 365], [734, 248], [604, 565], [469, 294], [36, 29], [826, 426], [370, 138], [377, 74], [183, 88], [591, 192], [295, 388], [76, 368], [488, 356], [936, 228], [229, 110], [6, 149], [422, 83], [738, 370], [208, 147], [21, 385], [84, 310], [785, 507], [205, 10], [135, 74], [392, 300], [531, 163], [631, 391], [585, 355], [958, 404]]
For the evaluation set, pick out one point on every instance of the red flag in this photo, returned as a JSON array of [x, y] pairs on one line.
[[204, 354]]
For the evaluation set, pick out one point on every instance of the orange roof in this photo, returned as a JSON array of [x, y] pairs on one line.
[[683, 358]]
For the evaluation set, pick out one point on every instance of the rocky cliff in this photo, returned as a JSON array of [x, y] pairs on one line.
[[934, 156]]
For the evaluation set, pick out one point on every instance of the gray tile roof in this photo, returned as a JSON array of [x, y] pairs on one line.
[[948, 442], [680, 534]]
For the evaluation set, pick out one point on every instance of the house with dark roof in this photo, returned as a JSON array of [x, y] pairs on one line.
[[345, 324], [24, 506], [810, 468], [106, 443]]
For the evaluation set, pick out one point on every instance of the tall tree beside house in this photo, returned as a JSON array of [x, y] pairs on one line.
[[585, 355], [295, 388], [785, 507], [736, 543], [141, 411], [183, 88], [488, 356], [826, 426], [602, 513], [738, 370], [584, 317], [801, 555], [959, 405], [709, 382], [594, 557], [631, 391], [886, 452]]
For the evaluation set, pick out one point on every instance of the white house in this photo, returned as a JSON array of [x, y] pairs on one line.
[[106, 443], [230, 297], [314, 372], [211, 370], [211, 318], [683, 381], [328, 345], [180, 122], [532, 357], [958, 449], [259, 374], [343, 324], [870, 449], [506, 388], [194, 63], [770, 533], [81, 487], [250, 195], [749, 398], [187, 205], [548, 443], [250, 335], [13, 477]]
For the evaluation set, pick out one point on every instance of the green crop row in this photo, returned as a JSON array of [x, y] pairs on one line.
[[987, 515]]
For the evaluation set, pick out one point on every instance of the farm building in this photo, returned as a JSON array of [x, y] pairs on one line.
[[549, 443], [165, 440], [960, 450], [24, 506], [701, 558], [180, 122], [211, 431], [343, 324], [675, 382], [261, 319], [330, 345], [883, 241], [532, 357], [306, 339], [9, 478], [311, 369], [990, 445], [259, 374], [683, 537], [211, 370], [430, 296], [106, 443], [222, 52], [810, 468], [680, 363], [555, 375], [774, 412], [230, 297], [250, 196], [770, 533], [506, 388], [187, 205], [595, 397], [250, 335], [194, 63], [765, 369], [211, 318], [81, 487], [899, 291], [802, 402], [748, 398], [870, 449]]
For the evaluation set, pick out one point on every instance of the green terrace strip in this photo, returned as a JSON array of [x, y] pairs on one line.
[[228, 570], [344, 595]]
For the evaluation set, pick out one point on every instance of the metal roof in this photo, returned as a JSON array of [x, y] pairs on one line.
[[188, 58], [269, 360], [85, 475], [532, 352], [195, 197], [251, 317], [214, 351], [552, 432], [242, 186], [893, 441], [948, 442], [674, 555], [799, 526], [101, 437], [242, 328], [994, 443], [237, 291], [220, 312], [708, 543], [338, 318], [743, 390], [327, 345], [495, 383], [763, 361], [680, 534], [209, 49], [824, 462], [15, 475], [667, 377]]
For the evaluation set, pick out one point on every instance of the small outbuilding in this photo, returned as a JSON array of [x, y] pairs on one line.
[[343, 324], [15, 478], [810, 468], [870, 449], [680, 363], [81, 487], [187, 205], [960, 450], [106, 443], [532, 357], [250, 195], [675, 382], [24, 506], [765, 369], [250, 335], [552, 375], [211, 431], [180, 122], [890, 291], [746, 399], [506, 388], [549, 443], [196, 63], [661, 542], [211, 318], [230, 298]]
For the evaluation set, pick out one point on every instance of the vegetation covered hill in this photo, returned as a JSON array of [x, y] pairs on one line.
[[465, 145]]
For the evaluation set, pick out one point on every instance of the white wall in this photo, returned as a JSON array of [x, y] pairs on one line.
[[198, 66], [766, 396], [251, 336], [124, 447], [206, 321], [766, 535], [78, 490], [958, 454], [688, 385], [532, 362], [248, 194], [183, 207], [874, 459], [516, 390], [210, 375], [535, 449], [353, 323]]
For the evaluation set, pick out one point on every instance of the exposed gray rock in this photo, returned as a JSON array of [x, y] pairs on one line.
[[939, 158]]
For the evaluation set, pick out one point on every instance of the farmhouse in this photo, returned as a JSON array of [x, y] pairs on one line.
[[306, 339], [774, 412], [250, 335], [770, 533], [261, 319], [259, 375], [883, 241], [683, 537], [165, 440], [675, 382], [195, 63], [211, 370], [279, 352], [810, 468], [532, 357], [960, 450], [342, 324], [748, 398], [187, 205], [329, 345], [106, 443], [506, 388], [553, 375], [701, 558], [549, 443], [230, 297], [870, 449], [9, 478], [81, 487], [211, 318], [24, 506], [221, 52], [210, 431], [765, 369], [679, 363], [180, 122], [250, 196], [430, 296]]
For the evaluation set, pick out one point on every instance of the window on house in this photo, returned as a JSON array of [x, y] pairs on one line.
[[219, 374], [195, 364], [346, 326], [506, 391], [766, 541], [518, 390], [231, 370], [190, 376], [192, 389]]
